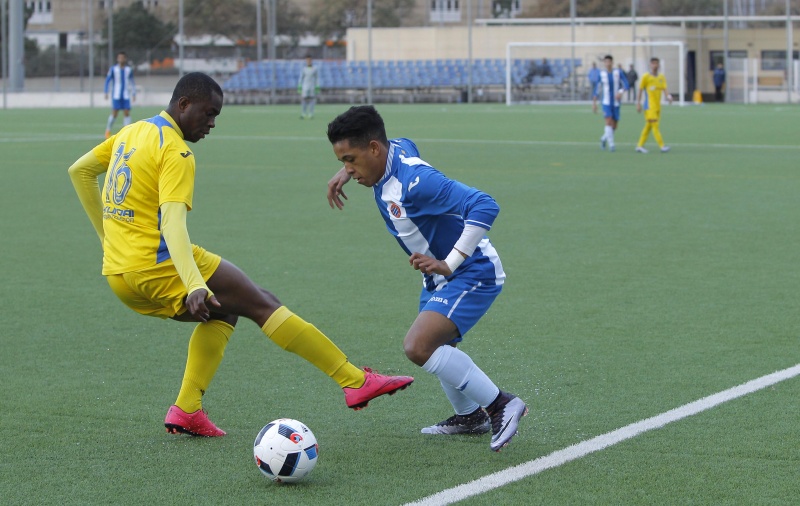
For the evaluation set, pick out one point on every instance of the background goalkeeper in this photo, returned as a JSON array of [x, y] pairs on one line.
[[308, 88]]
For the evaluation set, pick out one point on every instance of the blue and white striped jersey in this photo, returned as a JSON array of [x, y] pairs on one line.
[[120, 79], [609, 85], [426, 212]]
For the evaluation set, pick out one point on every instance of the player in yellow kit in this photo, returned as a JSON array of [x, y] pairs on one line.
[[152, 266], [653, 85]]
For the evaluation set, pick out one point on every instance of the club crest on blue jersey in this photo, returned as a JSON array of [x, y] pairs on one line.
[[395, 210]]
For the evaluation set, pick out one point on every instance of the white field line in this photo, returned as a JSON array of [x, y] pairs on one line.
[[498, 142], [506, 142], [557, 458]]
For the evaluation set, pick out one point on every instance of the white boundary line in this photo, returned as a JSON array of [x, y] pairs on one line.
[[584, 448]]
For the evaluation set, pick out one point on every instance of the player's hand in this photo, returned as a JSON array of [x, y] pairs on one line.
[[638, 107], [428, 265], [594, 107], [335, 189], [197, 304], [669, 98]]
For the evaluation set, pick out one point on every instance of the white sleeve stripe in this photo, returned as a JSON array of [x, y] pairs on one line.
[[479, 224]]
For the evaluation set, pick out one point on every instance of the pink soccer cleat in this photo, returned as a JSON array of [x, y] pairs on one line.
[[374, 385], [194, 424]]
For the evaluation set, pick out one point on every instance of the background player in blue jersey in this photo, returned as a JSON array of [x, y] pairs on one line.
[[119, 81], [441, 224], [611, 85]]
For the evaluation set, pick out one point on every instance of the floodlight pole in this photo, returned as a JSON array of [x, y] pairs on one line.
[[725, 35], [369, 51], [572, 14], [180, 38], [469, 51], [273, 37], [633, 30], [4, 35], [91, 52], [111, 59], [789, 53], [259, 35]]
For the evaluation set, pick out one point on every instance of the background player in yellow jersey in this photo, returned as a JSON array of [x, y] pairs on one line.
[[652, 87], [151, 265]]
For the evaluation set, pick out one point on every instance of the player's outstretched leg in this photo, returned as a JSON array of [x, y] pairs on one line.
[[505, 413], [374, 385]]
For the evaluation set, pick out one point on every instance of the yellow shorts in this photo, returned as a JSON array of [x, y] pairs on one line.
[[651, 115], [158, 290]]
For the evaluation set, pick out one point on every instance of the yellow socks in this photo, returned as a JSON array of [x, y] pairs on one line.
[[294, 334], [645, 133], [648, 126], [206, 348], [657, 134]]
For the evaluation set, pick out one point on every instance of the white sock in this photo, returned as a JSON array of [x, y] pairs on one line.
[[462, 405], [110, 122], [610, 135], [126, 120], [455, 368]]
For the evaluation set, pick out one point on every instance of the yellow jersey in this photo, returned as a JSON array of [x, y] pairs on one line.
[[148, 164], [654, 87]]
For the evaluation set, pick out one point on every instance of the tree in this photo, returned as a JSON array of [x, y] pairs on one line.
[[330, 19], [138, 32], [679, 8], [236, 19]]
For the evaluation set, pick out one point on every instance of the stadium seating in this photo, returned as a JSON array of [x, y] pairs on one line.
[[418, 76]]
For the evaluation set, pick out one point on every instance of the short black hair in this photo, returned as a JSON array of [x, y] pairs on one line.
[[608, 57], [655, 59], [358, 125], [195, 86]]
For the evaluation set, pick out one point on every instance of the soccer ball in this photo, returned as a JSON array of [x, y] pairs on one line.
[[285, 450]]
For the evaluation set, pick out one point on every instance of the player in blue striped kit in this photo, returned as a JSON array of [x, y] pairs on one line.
[[441, 224], [123, 91], [610, 88]]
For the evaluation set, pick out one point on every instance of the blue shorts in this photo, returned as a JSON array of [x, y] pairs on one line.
[[462, 301], [121, 104], [611, 111]]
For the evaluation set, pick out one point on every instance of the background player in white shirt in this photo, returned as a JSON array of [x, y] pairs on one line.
[[441, 224], [123, 91], [609, 90]]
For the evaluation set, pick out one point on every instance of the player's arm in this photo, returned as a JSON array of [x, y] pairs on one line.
[[109, 80], [666, 92], [176, 235], [83, 174], [639, 97], [335, 189], [133, 87], [441, 195], [625, 85]]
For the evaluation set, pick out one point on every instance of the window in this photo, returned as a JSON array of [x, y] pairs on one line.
[[506, 8], [718, 57], [445, 11], [41, 12], [776, 60]]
